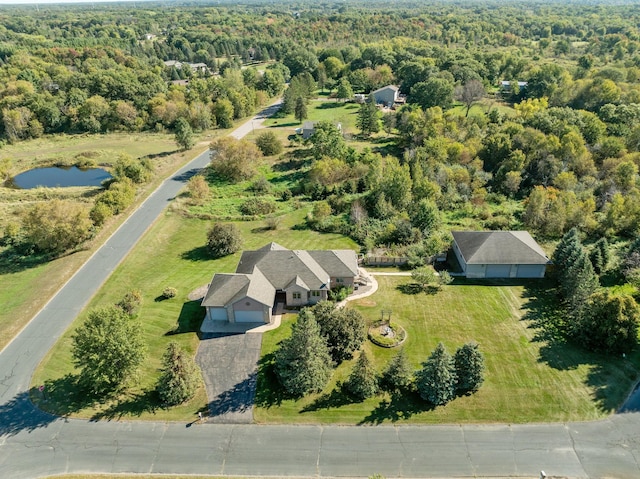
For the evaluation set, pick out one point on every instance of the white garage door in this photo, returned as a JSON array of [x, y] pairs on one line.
[[530, 270], [497, 271], [249, 317], [218, 314]]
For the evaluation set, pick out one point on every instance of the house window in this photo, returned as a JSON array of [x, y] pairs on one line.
[[315, 294], [296, 296], [339, 280]]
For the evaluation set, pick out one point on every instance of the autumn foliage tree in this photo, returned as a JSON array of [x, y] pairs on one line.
[[234, 160]]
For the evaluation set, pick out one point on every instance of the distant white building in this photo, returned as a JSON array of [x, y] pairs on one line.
[[387, 95]]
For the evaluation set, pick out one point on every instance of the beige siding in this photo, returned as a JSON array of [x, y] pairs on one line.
[[247, 304], [301, 301], [348, 282]]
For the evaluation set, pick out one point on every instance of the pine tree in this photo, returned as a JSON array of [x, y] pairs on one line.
[[180, 376], [368, 119], [398, 374], [362, 382], [579, 282], [568, 244], [469, 363], [300, 110], [595, 256], [303, 363], [603, 246], [436, 381]]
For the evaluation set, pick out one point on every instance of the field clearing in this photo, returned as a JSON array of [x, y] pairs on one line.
[[525, 380], [171, 253]]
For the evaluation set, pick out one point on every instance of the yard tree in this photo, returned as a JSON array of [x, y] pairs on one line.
[[578, 282], [300, 110], [180, 376], [398, 374], [436, 381], [131, 302], [469, 93], [234, 160], [56, 226], [302, 363], [609, 323], [424, 276], [269, 143], [368, 119], [469, 364], [569, 246], [362, 382], [426, 216], [223, 239], [344, 91], [223, 112], [389, 121], [108, 349], [184, 134], [444, 278], [327, 140], [343, 329], [433, 92]]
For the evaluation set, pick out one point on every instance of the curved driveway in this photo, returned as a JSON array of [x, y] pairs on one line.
[[35, 444]]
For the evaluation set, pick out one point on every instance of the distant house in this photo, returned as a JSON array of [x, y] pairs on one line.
[[308, 127], [499, 254], [505, 85], [173, 63], [150, 36], [387, 95], [195, 67], [296, 277]]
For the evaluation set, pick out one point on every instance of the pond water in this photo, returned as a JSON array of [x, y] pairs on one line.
[[59, 177]]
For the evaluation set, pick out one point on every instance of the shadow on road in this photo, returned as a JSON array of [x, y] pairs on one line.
[[19, 414]]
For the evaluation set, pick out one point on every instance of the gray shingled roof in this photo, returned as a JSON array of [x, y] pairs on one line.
[[338, 263], [281, 266], [226, 289], [499, 247]]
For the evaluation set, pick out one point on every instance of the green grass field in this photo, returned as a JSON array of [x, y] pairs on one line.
[[172, 253], [525, 380]]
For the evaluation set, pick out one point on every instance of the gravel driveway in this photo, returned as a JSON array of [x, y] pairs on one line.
[[229, 366]]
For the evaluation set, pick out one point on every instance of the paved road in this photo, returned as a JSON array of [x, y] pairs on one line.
[[35, 444]]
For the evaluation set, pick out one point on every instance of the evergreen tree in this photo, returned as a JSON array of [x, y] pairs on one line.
[[184, 134], [398, 374], [602, 245], [303, 363], [368, 119], [362, 382], [436, 381], [180, 376], [344, 91], [566, 247], [300, 110], [469, 363], [579, 282], [595, 256]]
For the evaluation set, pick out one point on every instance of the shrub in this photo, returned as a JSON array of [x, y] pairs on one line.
[[269, 143], [257, 206], [119, 196], [169, 292], [223, 239], [272, 223], [131, 302], [261, 186], [198, 188], [127, 167], [100, 213], [56, 226]]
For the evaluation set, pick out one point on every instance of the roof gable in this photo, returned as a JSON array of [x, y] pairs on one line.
[[499, 247]]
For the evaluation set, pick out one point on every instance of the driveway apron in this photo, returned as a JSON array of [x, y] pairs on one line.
[[229, 365]]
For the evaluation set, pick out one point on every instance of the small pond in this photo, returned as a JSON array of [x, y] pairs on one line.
[[59, 177]]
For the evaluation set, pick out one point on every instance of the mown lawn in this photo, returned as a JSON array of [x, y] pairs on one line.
[[172, 253], [526, 379]]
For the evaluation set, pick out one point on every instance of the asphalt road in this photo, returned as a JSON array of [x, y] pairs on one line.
[[35, 444]]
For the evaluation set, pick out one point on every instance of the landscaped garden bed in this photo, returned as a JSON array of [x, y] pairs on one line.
[[386, 335]]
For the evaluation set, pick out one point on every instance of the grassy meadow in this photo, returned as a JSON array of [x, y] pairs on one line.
[[527, 379]]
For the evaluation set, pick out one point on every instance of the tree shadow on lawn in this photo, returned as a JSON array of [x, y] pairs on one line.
[[401, 406], [199, 253], [338, 397], [415, 288], [14, 261], [269, 392], [609, 377], [133, 406], [190, 318]]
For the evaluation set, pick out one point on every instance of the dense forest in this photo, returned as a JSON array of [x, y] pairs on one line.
[[561, 142]]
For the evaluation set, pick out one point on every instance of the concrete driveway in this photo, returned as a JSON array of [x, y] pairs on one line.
[[229, 365]]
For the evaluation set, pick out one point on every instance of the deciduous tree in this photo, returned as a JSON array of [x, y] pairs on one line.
[[469, 93], [108, 349], [184, 134], [343, 329], [234, 160], [223, 239]]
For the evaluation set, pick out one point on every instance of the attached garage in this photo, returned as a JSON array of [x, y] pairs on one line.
[[499, 254], [217, 314], [249, 317]]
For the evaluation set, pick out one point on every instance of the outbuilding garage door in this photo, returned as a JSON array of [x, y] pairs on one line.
[[497, 271], [530, 270], [249, 317], [218, 314]]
